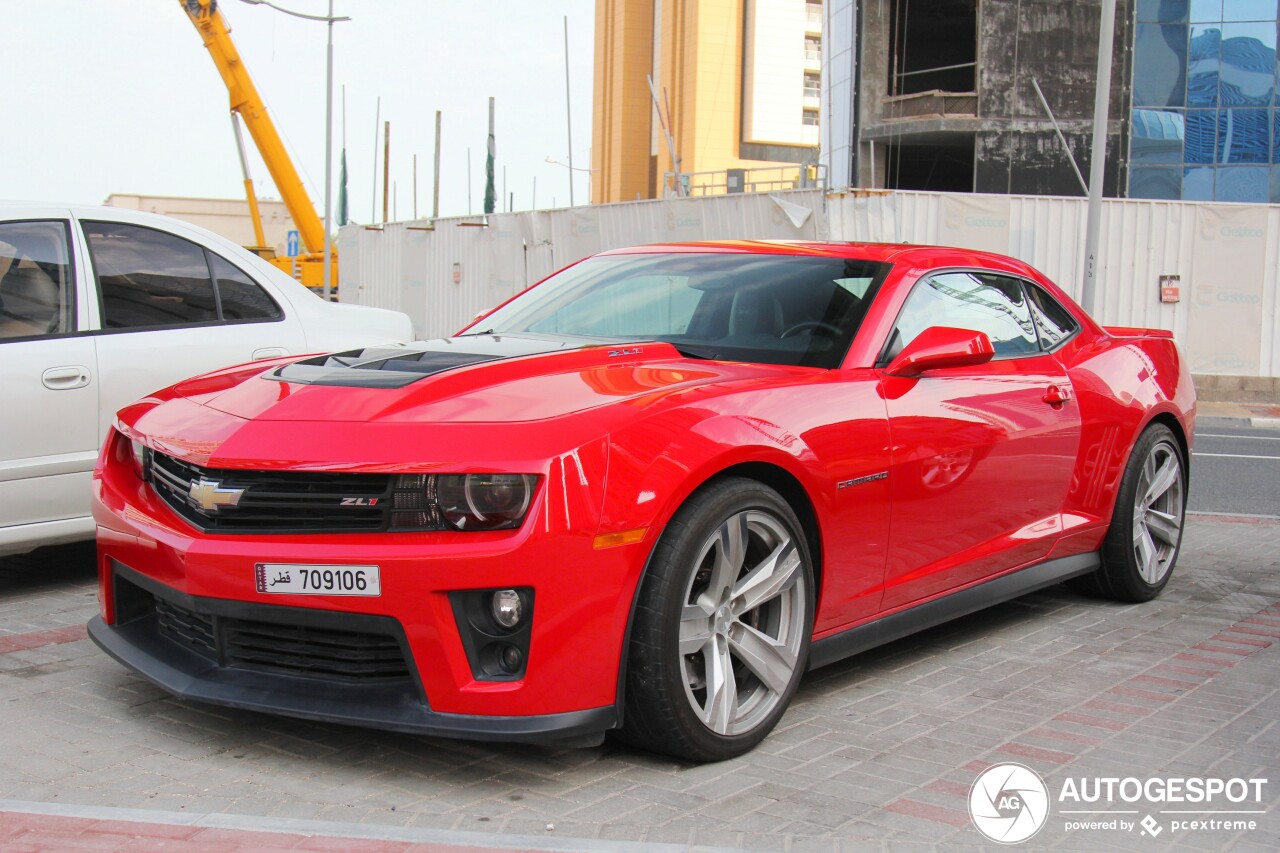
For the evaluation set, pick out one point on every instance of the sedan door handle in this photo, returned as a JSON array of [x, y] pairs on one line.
[[65, 378], [1057, 396], [269, 352]]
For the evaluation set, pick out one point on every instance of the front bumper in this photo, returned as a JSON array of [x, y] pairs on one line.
[[195, 669], [569, 687]]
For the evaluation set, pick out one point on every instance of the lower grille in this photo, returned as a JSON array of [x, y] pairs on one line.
[[313, 651], [316, 651]]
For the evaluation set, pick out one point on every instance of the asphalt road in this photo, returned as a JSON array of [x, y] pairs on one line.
[[1236, 470]]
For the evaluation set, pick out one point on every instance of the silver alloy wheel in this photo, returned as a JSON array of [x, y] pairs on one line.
[[1157, 512], [743, 622]]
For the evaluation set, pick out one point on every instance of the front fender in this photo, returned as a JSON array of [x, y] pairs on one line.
[[654, 468]]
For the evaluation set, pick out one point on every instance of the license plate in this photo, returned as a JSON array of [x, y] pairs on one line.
[[317, 580]]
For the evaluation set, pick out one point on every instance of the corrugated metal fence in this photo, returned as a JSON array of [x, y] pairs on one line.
[[1227, 256]]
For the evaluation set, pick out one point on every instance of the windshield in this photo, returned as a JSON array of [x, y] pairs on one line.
[[771, 309]]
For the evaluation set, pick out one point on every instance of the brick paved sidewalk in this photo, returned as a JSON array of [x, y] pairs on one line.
[[876, 752]]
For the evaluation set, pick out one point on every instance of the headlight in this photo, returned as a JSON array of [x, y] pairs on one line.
[[133, 452], [461, 501]]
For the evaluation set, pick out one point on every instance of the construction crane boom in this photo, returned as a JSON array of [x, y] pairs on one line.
[[249, 106]]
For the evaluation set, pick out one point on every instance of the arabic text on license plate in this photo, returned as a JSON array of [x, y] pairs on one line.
[[318, 580]]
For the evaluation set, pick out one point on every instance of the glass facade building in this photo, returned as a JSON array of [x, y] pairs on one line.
[[1205, 124]]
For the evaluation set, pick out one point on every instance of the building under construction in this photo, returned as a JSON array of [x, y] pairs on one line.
[[938, 95]]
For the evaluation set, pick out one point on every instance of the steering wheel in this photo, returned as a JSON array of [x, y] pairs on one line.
[[814, 325]]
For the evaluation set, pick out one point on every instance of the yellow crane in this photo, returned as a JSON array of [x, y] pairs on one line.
[[248, 105]]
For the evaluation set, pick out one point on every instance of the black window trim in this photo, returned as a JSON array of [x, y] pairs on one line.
[[97, 286], [883, 359], [73, 290]]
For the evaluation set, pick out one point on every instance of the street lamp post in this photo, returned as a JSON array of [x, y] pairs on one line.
[[329, 20]]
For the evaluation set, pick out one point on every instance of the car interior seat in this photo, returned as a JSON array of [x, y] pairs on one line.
[[755, 313], [29, 303]]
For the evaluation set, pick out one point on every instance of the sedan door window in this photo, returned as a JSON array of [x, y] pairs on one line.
[[36, 285], [148, 278], [242, 299]]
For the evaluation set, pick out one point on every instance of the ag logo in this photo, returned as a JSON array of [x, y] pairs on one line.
[[1009, 803]]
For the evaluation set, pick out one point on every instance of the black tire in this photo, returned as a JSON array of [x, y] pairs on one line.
[[667, 710], [1142, 543]]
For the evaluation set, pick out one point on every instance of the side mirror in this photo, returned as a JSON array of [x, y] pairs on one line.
[[941, 346]]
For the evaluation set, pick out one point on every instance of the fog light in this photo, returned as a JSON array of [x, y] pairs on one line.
[[511, 658], [507, 610]]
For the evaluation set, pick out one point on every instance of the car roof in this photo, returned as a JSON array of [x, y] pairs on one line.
[[885, 252]]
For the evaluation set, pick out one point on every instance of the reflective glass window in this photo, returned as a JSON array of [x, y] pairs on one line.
[[1164, 11], [1248, 10], [242, 298], [1241, 183], [37, 288], [1155, 182], [1275, 184], [1206, 10], [1245, 136], [1054, 322], [149, 278], [1275, 135], [1160, 66], [1197, 183], [1204, 65], [1202, 136], [1158, 136], [993, 304], [1248, 69]]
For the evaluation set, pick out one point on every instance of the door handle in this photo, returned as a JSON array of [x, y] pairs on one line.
[[1057, 396], [269, 352], [65, 378]]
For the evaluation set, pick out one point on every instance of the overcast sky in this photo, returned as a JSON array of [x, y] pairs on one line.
[[121, 97]]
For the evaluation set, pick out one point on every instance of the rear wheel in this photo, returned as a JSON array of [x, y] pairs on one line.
[[721, 633], [1146, 528]]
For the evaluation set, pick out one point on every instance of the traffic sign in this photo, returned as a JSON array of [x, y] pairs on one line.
[[292, 249]]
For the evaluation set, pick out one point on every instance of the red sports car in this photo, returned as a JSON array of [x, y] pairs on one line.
[[644, 495]]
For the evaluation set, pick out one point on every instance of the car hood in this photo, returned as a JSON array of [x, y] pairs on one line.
[[471, 379]]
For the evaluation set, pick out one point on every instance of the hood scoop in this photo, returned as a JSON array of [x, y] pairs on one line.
[[401, 365]]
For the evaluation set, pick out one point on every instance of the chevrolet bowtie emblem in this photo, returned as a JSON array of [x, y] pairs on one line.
[[209, 495]]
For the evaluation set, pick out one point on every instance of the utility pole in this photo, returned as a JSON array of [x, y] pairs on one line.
[[386, 168], [568, 115], [435, 190], [1098, 161]]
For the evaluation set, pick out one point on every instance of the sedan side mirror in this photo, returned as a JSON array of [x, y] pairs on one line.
[[941, 346]]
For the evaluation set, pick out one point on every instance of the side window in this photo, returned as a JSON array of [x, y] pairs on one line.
[[149, 278], [1054, 322], [37, 290], [993, 304], [242, 298]]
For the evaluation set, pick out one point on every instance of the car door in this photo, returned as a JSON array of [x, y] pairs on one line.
[[48, 372], [172, 308], [982, 455]]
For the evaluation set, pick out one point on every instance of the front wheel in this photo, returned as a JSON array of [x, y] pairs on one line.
[[1142, 543], [721, 633]]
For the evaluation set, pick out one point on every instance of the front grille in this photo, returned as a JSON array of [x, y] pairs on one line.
[[237, 501], [329, 653]]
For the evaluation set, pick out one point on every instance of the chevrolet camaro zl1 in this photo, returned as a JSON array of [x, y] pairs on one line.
[[646, 494]]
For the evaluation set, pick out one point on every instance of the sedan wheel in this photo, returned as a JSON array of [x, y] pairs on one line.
[[721, 634], [1141, 547]]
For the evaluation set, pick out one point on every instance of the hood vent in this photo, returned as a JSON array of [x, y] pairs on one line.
[[398, 366]]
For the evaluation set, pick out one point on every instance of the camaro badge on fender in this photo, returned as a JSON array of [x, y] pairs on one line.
[[858, 481]]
